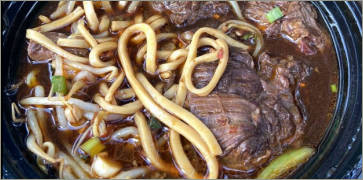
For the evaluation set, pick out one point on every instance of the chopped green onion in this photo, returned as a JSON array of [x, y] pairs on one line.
[[274, 14], [154, 123], [93, 146], [286, 162], [334, 88], [59, 84]]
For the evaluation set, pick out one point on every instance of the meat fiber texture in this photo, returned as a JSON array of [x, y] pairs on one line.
[[298, 25], [253, 115], [185, 13]]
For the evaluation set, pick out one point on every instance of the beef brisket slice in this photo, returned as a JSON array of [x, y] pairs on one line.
[[185, 13], [299, 23], [253, 118]]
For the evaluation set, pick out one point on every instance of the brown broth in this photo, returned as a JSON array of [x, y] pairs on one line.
[[318, 100]]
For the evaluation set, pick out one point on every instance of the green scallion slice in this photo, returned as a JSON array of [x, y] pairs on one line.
[[59, 84], [274, 14], [285, 163], [93, 146], [333, 88]]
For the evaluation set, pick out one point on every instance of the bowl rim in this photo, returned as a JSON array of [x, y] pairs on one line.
[[347, 115]]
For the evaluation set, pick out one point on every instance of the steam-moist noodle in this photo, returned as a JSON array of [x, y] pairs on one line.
[[149, 104], [44, 41], [94, 56], [192, 61], [134, 93], [63, 22]]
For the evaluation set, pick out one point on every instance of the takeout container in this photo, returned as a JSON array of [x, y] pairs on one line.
[[338, 154]]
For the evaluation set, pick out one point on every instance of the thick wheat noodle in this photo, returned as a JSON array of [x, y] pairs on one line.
[[113, 70], [169, 120], [176, 58], [36, 149], [115, 85], [205, 58], [159, 87], [103, 34], [105, 39], [191, 63], [125, 94], [75, 167], [183, 114], [181, 93], [60, 11], [163, 54], [245, 26], [85, 75], [138, 18], [50, 148], [61, 117], [175, 143], [171, 92], [67, 173], [58, 66], [44, 19], [104, 91], [104, 23], [60, 101], [133, 6], [15, 109], [181, 158], [152, 18], [34, 127], [86, 34], [70, 6], [155, 25], [106, 5], [125, 132], [150, 46], [75, 87], [128, 108], [40, 113], [132, 173], [121, 4], [62, 22], [49, 44], [91, 15], [119, 25], [96, 124], [160, 37], [94, 55], [86, 167], [73, 43], [148, 145]]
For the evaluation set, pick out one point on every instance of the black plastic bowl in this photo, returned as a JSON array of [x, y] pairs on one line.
[[338, 155]]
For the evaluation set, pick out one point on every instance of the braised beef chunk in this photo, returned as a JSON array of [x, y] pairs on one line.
[[252, 114], [37, 52], [239, 78], [185, 13], [283, 71], [299, 23]]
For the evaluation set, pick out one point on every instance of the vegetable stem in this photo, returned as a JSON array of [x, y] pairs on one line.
[[285, 162], [274, 14]]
